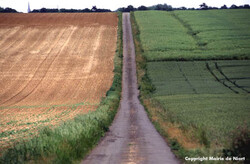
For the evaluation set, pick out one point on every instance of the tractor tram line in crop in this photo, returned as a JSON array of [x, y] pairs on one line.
[[231, 82]]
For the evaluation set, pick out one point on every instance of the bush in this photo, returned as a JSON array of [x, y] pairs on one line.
[[240, 144]]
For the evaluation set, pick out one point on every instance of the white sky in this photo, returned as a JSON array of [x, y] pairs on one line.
[[21, 5]]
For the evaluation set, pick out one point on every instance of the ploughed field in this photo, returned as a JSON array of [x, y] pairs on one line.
[[198, 63], [52, 68]]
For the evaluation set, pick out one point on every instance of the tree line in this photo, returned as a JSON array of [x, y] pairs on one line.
[[166, 7], [129, 8], [86, 10], [7, 10], [47, 10]]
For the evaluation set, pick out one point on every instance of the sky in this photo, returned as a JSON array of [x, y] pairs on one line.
[[22, 5]]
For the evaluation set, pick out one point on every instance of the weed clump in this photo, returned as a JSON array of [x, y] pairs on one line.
[[240, 143]]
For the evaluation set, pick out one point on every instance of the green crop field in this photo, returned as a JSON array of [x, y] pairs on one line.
[[190, 35], [193, 96], [195, 75], [200, 77]]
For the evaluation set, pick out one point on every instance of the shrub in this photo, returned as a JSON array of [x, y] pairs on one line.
[[240, 144]]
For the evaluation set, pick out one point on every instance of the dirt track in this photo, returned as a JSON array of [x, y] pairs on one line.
[[132, 137]]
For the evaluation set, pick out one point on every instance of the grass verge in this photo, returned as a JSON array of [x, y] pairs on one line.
[[72, 140], [146, 89]]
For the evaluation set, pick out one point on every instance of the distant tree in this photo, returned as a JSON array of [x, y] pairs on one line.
[[1, 9], [86, 10], [163, 7], [94, 8], [130, 8], [35, 11], [180, 8], [183, 8], [103, 10], [224, 7], [142, 8], [7, 10], [127, 9], [53, 10], [69, 11], [212, 8], [234, 7], [241, 7], [43, 10], [203, 6], [10, 10], [159, 7], [63, 10], [122, 9], [246, 6]]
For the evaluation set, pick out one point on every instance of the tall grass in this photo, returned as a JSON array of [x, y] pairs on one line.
[[73, 139]]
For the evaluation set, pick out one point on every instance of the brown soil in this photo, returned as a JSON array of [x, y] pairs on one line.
[[56, 58], [52, 59]]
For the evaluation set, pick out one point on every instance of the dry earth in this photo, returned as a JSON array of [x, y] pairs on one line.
[[48, 60]]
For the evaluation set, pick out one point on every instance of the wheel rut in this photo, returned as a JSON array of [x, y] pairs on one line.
[[132, 138]]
